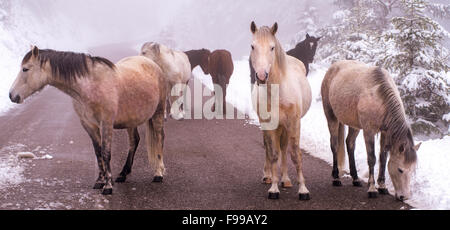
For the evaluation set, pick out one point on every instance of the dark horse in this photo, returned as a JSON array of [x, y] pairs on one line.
[[303, 51], [219, 64]]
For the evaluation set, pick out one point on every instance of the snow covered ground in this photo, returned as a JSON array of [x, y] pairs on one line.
[[430, 186]]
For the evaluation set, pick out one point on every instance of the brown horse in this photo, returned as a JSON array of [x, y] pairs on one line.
[[219, 64], [365, 97], [273, 68], [105, 97]]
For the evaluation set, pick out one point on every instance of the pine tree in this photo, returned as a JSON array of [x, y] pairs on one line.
[[353, 33], [307, 22], [420, 60]]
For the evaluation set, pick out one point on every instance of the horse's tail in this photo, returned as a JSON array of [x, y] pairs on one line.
[[341, 149]]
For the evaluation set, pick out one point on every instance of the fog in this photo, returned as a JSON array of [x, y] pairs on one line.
[[118, 28], [181, 24]]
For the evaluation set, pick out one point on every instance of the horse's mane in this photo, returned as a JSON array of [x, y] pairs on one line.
[[68, 65], [265, 33], [394, 116]]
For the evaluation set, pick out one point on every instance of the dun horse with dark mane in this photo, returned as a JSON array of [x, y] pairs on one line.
[[105, 96], [365, 97], [219, 64]]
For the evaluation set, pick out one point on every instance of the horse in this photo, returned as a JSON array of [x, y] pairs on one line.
[[105, 96], [274, 67], [365, 97], [176, 67], [219, 64], [303, 51]]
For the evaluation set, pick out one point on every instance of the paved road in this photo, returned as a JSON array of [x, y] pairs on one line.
[[214, 164]]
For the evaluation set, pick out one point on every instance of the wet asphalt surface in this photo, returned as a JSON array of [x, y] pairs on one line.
[[211, 164]]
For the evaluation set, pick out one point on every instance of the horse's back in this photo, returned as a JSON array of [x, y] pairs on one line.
[[140, 89], [177, 66], [184, 64], [221, 63]]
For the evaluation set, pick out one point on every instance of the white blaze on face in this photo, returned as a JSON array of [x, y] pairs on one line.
[[311, 44]]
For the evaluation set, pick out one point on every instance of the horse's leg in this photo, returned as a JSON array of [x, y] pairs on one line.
[[224, 83], [371, 159], [106, 134], [284, 142], [350, 141], [267, 179], [333, 126], [133, 139], [155, 143], [382, 189], [185, 96], [175, 108], [296, 157], [94, 134], [274, 152]]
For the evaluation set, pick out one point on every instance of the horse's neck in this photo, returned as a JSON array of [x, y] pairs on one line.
[[73, 89]]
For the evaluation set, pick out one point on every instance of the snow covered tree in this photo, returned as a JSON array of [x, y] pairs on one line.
[[307, 22], [353, 33], [420, 60]]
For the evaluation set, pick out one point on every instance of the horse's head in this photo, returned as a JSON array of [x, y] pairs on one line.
[[311, 42], [402, 164], [151, 50], [265, 51], [33, 76], [204, 60]]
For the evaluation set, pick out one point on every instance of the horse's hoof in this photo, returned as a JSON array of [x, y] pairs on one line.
[[274, 196], [373, 194], [286, 184], [121, 179], [337, 183], [305, 196], [99, 185], [267, 180], [357, 183], [157, 179], [107, 191], [383, 191]]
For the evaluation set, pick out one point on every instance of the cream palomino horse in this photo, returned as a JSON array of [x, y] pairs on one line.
[[273, 67], [365, 97], [177, 68], [105, 96]]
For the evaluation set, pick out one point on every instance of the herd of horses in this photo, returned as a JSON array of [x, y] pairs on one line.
[[138, 91]]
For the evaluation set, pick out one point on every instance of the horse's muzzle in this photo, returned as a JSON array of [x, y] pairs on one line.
[[15, 99], [262, 81]]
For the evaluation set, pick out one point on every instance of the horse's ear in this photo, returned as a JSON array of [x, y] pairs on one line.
[[416, 147], [35, 51], [318, 38], [274, 28], [307, 36], [253, 27]]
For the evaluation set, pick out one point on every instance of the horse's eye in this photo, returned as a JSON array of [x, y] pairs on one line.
[[400, 170], [25, 70], [253, 47], [272, 49]]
